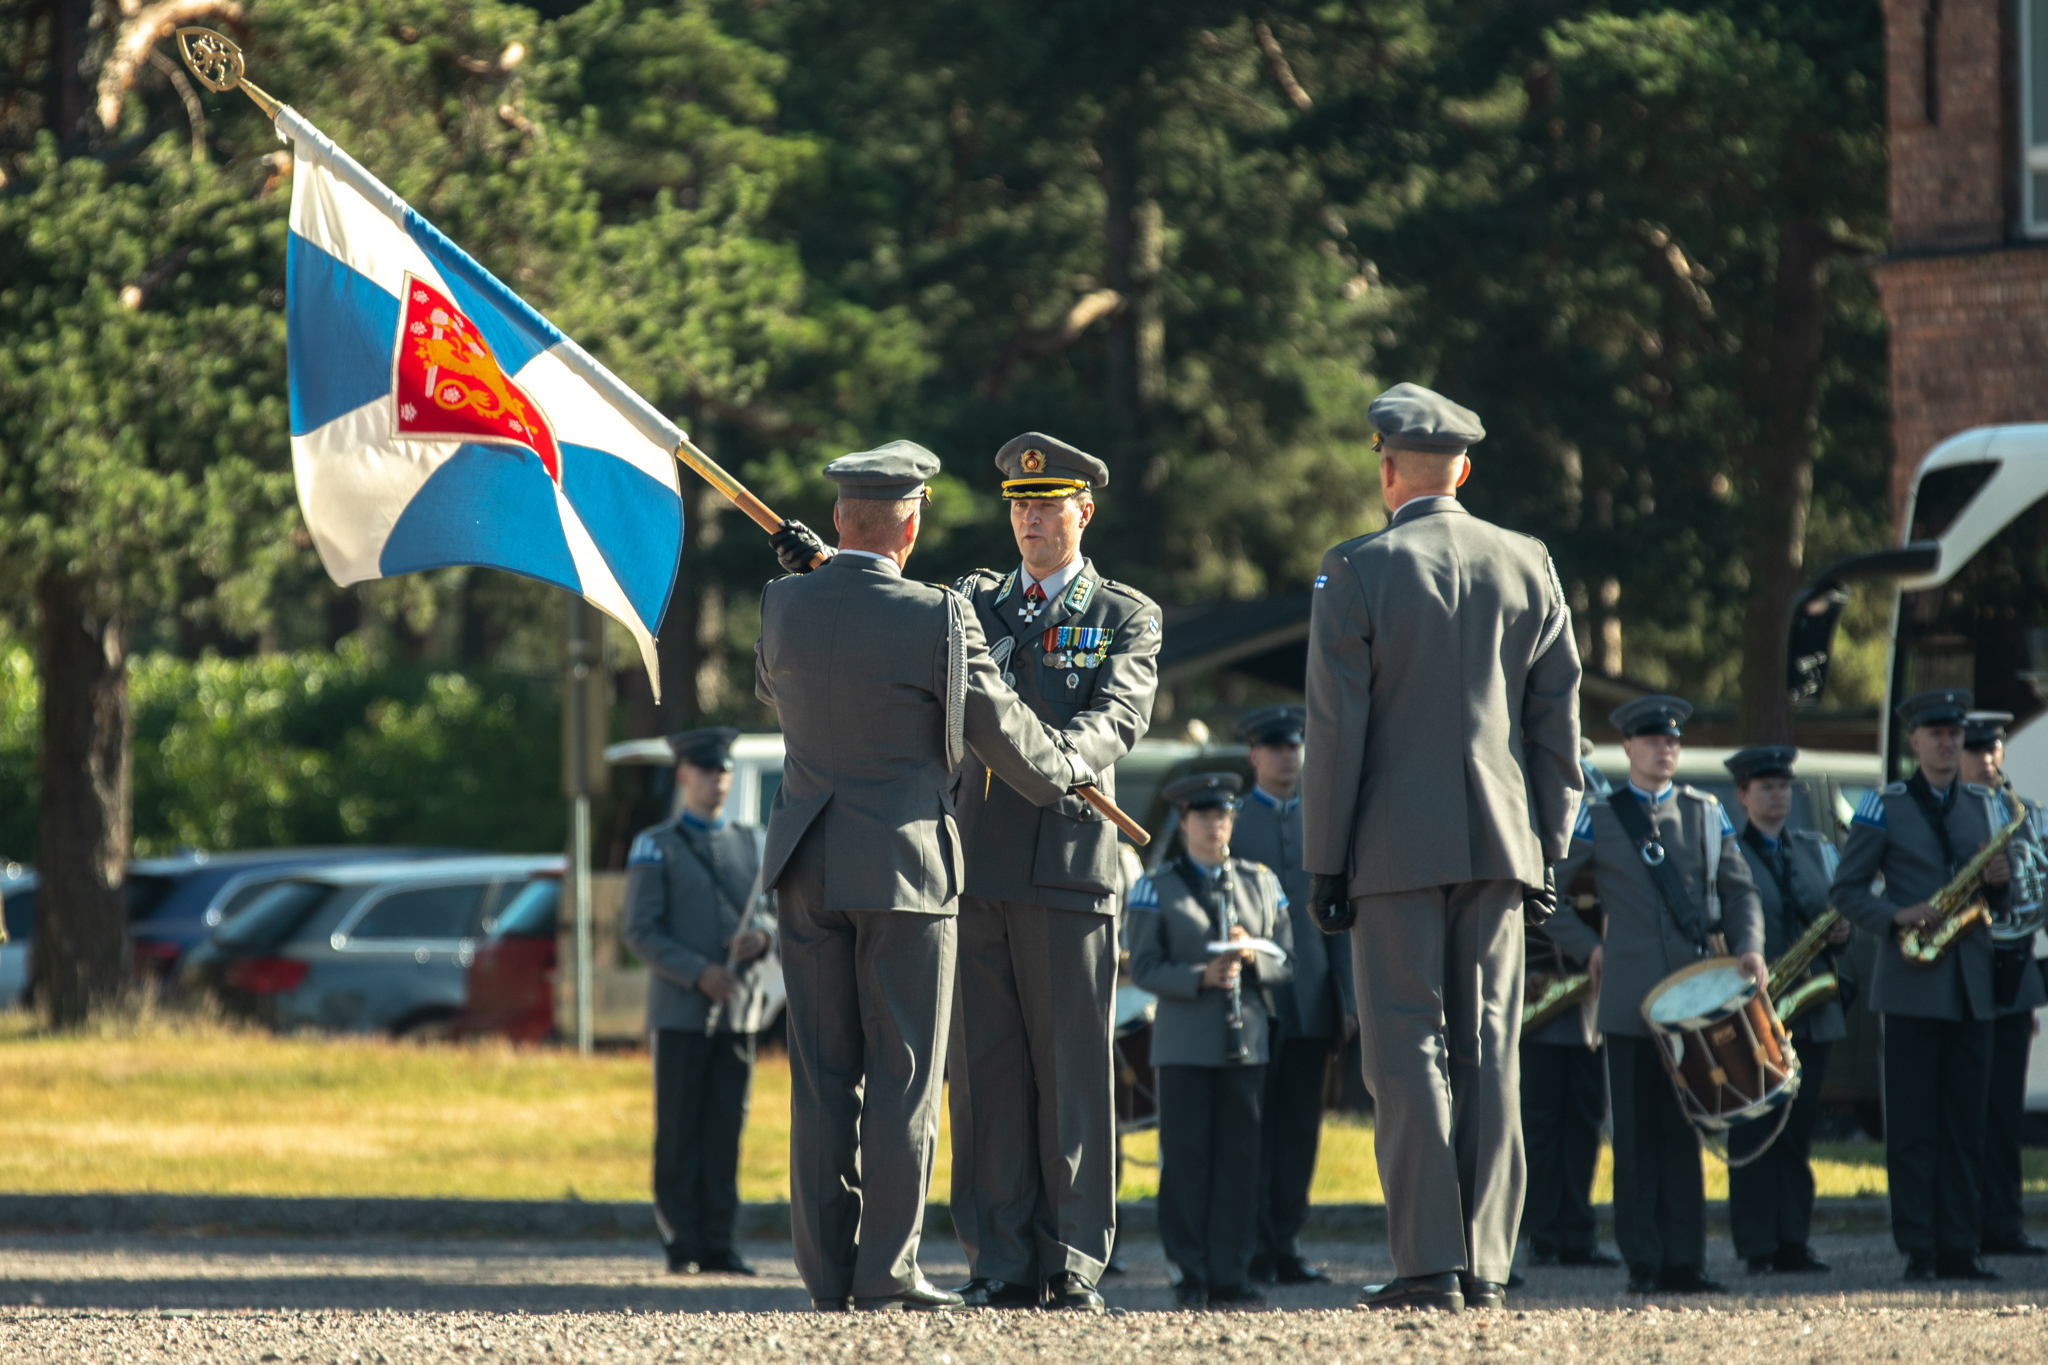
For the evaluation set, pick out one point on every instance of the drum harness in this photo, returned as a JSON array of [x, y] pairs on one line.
[[1702, 933]]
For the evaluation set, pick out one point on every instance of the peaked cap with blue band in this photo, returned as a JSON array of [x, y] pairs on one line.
[[1410, 417]]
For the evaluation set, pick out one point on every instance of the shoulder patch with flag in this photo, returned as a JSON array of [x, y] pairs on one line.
[[437, 419]]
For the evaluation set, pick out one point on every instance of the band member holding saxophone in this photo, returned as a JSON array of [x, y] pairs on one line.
[[1665, 864], [1211, 1040], [1770, 1199], [2016, 977], [1938, 1015]]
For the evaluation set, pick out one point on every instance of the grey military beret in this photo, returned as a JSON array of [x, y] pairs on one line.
[[707, 748], [1281, 724], [1035, 465], [1410, 417], [1206, 791], [889, 473], [1936, 706], [1761, 760], [1985, 730], [1653, 715]]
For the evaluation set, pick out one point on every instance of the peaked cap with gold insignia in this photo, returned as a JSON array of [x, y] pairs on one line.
[[1035, 465]]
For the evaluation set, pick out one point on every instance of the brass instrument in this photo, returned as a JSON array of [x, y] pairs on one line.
[[1959, 907], [2028, 911], [1559, 994], [1790, 1000]]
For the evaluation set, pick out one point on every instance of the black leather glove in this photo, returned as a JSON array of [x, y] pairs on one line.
[[1329, 904], [796, 545], [1539, 903]]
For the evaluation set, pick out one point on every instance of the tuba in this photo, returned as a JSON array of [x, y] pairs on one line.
[[1960, 906]]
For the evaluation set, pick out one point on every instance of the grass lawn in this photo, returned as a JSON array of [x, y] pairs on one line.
[[178, 1107]]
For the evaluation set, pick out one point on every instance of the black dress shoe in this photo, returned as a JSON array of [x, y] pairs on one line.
[[1641, 1281], [1594, 1257], [1688, 1279], [726, 1262], [2019, 1245], [1236, 1296], [1191, 1294], [1961, 1267], [984, 1292], [1482, 1293], [1797, 1260], [1261, 1270], [1439, 1292], [922, 1297], [831, 1305], [1919, 1268], [1067, 1290], [1761, 1265], [1294, 1270]]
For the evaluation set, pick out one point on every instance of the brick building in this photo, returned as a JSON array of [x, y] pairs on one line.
[[1965, 284]]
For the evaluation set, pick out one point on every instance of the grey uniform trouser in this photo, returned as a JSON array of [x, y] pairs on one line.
[[1033, 1091], [1439, 976], [870, 995]]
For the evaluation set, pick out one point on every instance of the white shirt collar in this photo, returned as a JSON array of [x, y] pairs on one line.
[[870, 554], [1055, 583]]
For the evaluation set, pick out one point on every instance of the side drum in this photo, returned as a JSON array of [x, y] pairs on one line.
[[1723, 1045]]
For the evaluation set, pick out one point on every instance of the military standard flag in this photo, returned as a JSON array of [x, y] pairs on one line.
[[438, 420]]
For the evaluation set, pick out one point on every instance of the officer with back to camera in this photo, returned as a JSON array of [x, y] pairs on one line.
[[1770, 1196], [1671, 879], [1314, 1007], [2017, 984], [1939, 1018], [689, 890]]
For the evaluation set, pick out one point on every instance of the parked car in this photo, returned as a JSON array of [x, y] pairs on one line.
[[510, 987], [363, 947]]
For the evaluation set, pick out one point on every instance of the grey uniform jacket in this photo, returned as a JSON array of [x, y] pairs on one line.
[[1169, 935], [1064, 855], [1643, 943], [855, 658], [1314, 1002], [1443, 707], [686, 895], [1812, 875], [1891, 835]]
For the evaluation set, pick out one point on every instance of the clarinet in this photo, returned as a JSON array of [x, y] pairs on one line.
[[1234, 1048]]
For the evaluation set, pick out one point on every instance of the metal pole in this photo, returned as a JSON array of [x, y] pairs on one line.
[[582, 747], [580, 854]]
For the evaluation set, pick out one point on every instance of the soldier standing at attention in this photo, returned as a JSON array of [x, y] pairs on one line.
[[1031, 1086], [1211, 1038], [1441, 772], [2018, 992], [1314, 1008], [1770, 1198], [1672, 880], [883, 686], [688, 885], [1938, 1018]]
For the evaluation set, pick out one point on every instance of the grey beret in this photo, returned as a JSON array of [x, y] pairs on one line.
[[1035, 465], [889, 473], [1410, 417], [1652, 715]]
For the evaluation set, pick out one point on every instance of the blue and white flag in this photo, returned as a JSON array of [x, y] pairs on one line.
[[437, 419]]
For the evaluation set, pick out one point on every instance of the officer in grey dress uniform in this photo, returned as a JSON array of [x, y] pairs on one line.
[[1315, 1008], [1770, 1198], [1938, 1018], [1210, 1039], [883, 686], [1439, 780], [1031, 1087], [1672, 880], [2016, 978], [689, 891]]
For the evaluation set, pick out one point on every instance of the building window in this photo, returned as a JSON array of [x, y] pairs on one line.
[[2034, 116]]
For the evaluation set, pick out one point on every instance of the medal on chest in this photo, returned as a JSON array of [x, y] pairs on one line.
[[1074, 647]]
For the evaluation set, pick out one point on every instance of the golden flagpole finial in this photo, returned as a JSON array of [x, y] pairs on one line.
[[216, 62]]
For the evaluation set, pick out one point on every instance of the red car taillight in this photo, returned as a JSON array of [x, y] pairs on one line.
[[266, 975], [154, 957]]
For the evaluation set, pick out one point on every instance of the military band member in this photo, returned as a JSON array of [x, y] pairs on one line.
[[1314, 1007], [1032, 1088], [1439, 779], [1770, 1198], [1564, 1101], [689, 889], [2019, 992], [1674, 885], [1938, 1018], [1210, 1039], [883, 686]]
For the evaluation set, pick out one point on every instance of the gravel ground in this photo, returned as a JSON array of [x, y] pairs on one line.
[[223, 1299]]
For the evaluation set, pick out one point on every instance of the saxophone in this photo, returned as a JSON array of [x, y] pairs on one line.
[[1789, 1000], [1560, 993], [1959, 907]]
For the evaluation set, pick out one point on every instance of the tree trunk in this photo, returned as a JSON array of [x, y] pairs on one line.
[[81, 931], [1134, 375], [1785, 382]]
